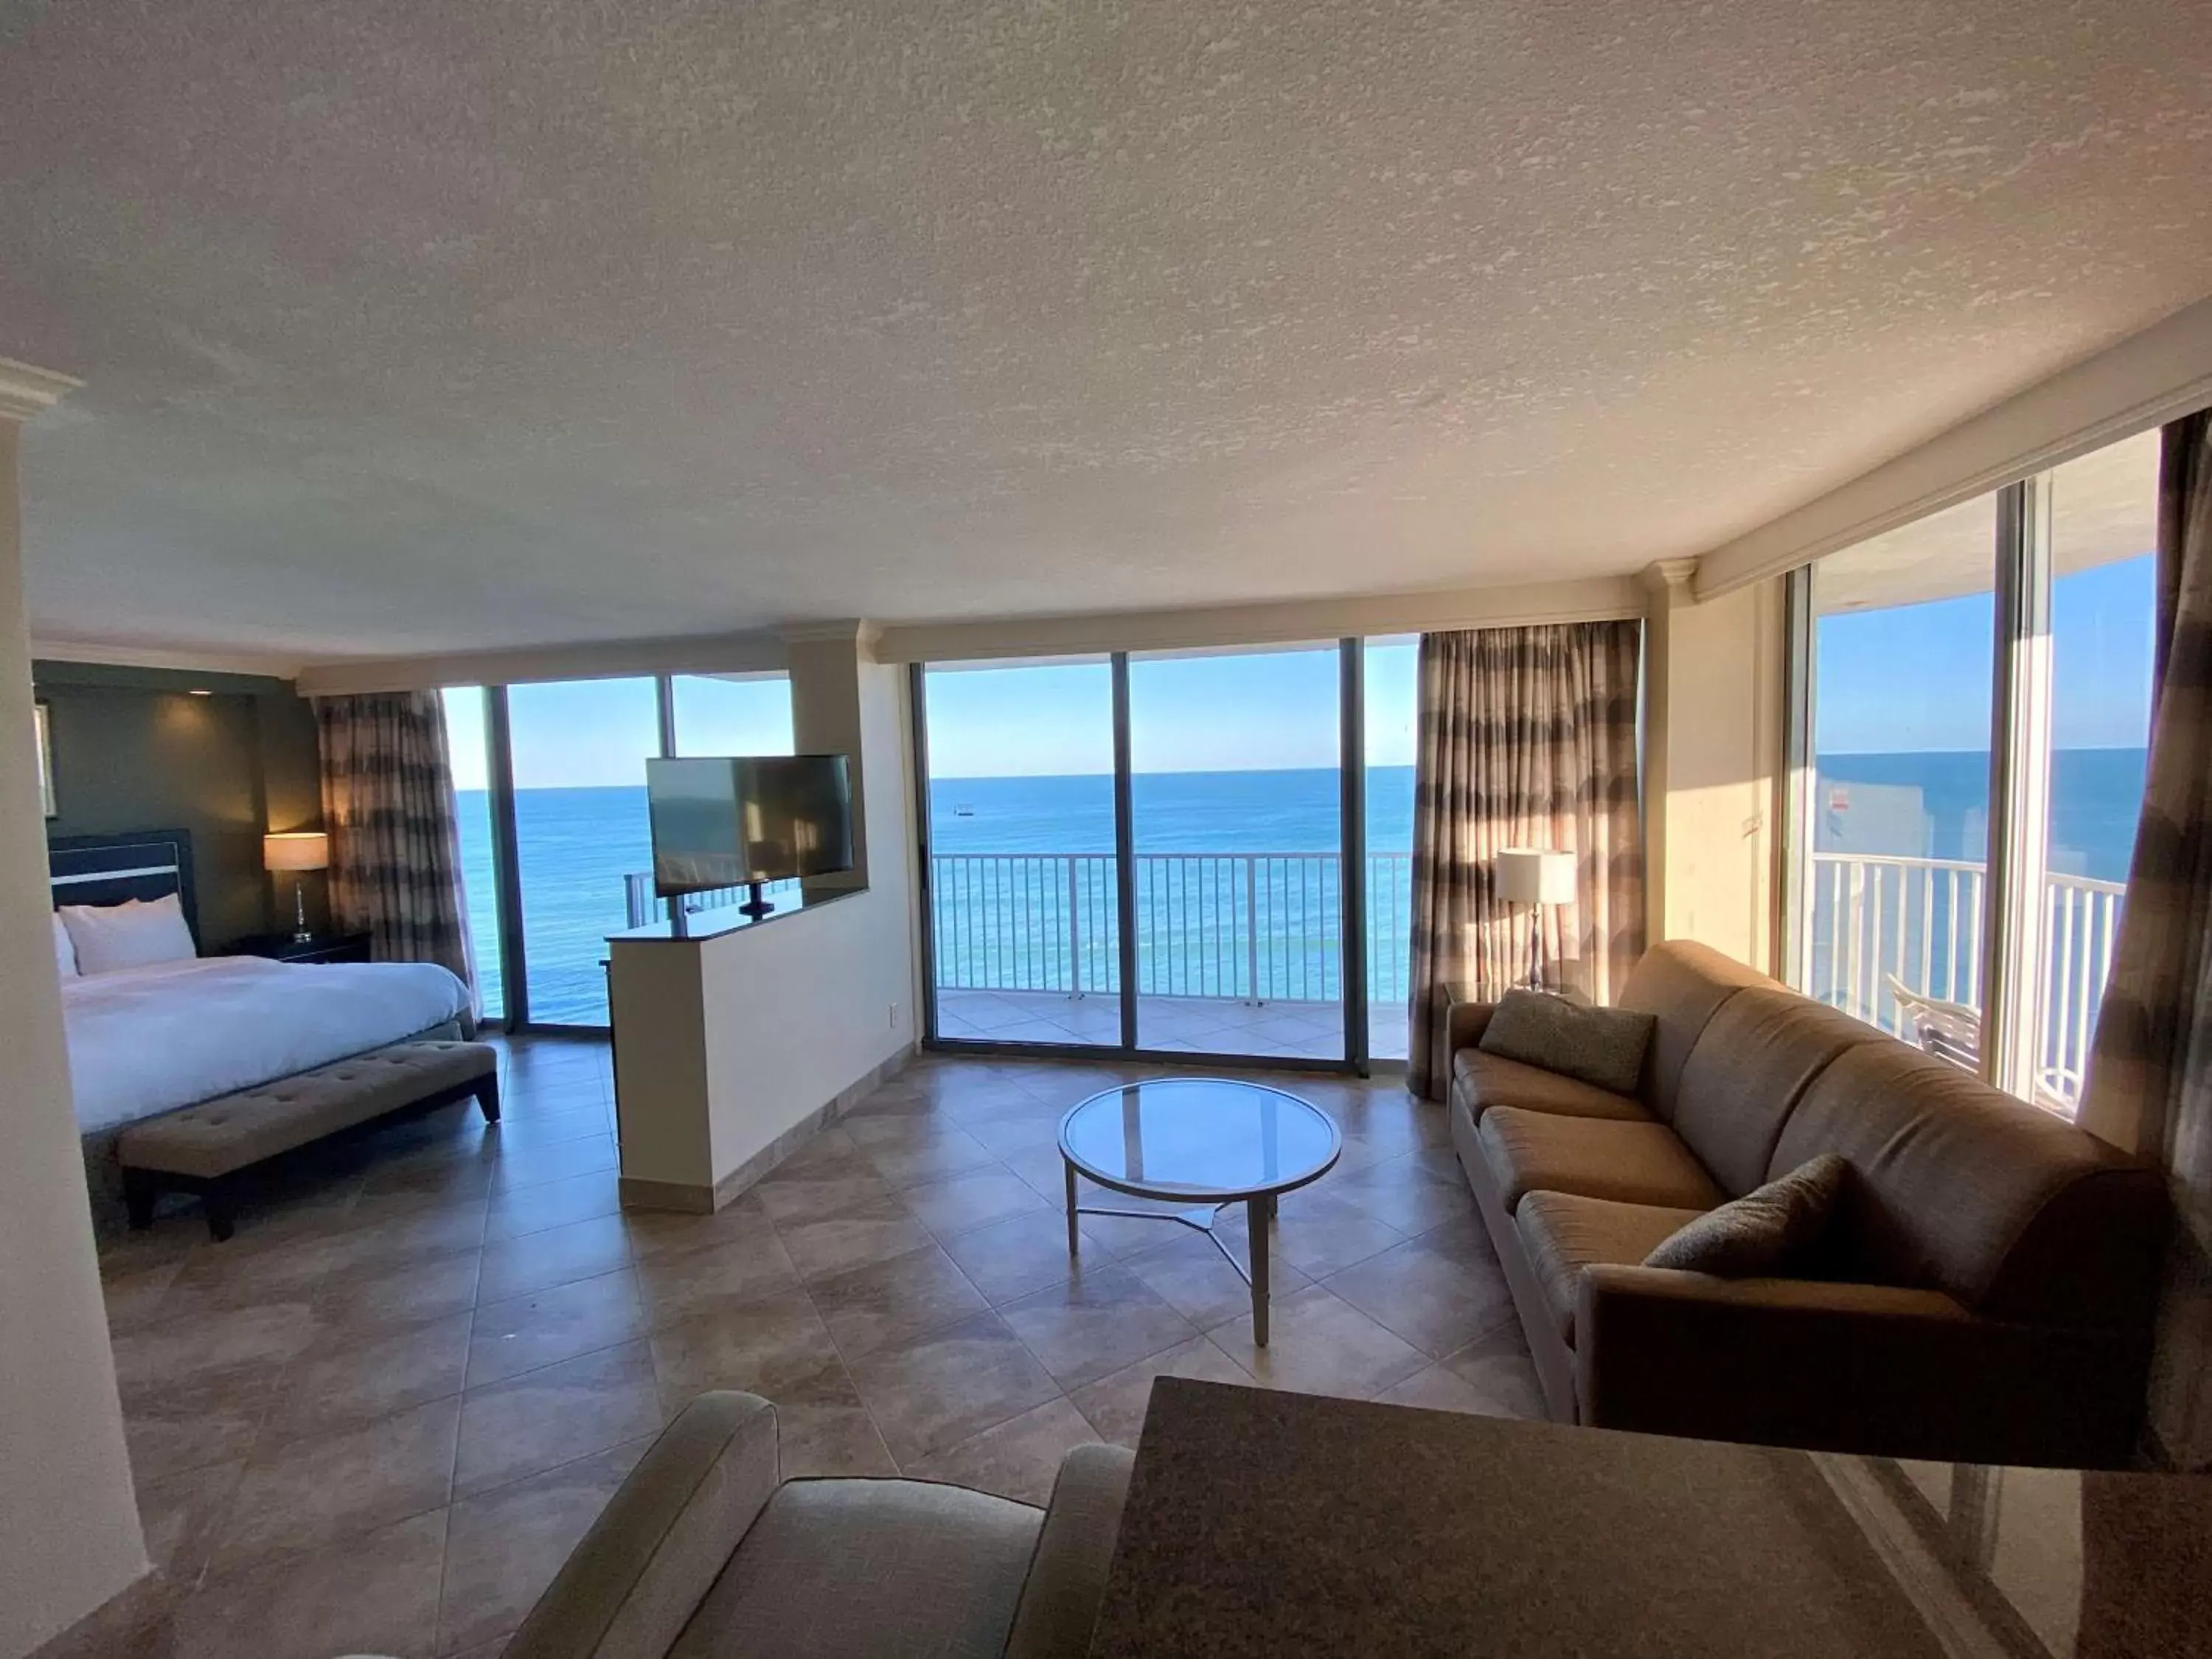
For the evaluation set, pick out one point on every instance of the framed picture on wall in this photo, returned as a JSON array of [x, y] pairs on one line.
[[44, 717]]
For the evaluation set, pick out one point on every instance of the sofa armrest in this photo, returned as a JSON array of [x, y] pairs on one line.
[[1068, 1574], [664, 1538], [1872, 1368], [1464, 1024]]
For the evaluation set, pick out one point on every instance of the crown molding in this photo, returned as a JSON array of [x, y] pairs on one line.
[[709, 654], [1604, 598], [1670, 579], [27, 390], [114, 655], [2158, 376]]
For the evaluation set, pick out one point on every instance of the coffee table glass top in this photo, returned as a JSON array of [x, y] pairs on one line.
[[1199, 1138]]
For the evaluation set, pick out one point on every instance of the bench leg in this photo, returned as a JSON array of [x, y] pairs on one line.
[[221, 1219], [139, 1193], [487, 1093]]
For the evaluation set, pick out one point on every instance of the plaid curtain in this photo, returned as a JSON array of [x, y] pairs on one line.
[[1527, 738], [395, 831], [2149, 1085]]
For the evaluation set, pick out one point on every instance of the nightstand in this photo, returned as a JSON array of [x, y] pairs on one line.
[[282, 947]]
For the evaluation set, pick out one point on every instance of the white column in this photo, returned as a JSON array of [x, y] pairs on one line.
[[69, 1524]]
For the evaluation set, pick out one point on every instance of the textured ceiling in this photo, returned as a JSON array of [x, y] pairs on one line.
[[425, 326]]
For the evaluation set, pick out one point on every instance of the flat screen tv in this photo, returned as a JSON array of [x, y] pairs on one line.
[[740, 821]]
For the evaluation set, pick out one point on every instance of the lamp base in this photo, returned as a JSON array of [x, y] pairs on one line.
[[301, 934], [757, 907]]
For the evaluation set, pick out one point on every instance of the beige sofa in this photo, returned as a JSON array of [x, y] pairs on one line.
[[705, 1550], [1994, 1269]]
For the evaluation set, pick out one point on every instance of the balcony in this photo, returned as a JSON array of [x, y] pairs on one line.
[[1236, 952], [1897, 942]]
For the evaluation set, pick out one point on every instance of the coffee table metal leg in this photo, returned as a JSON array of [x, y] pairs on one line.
[[1256, 1213], [1069, 1171]]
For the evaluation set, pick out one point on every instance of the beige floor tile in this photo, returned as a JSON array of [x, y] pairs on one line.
[[873, 1230], [1191, 1275], [950, 1385], [558, 1255], [674, 1232], [515, 1212], [1499, 1367], [182, 1514], [818, 1189], [1027, 1252], [759, 1346], [301, 1495], [1316, 1234], [221, 1345], [354, 1387], [134, 1299], [1321, 1344], [353, 1307], [502, 1548], [1437, 1292], [1098, 1321], [1405, 1192], [192, 1423], [1439, 1387], [526, 1166], [921, 1152], [821, 1428], [1017, 1459], [387, 1233], [962, 1203], [546, 1327], [376, 1592], [556, 1415], [745, 1262], [1115, 1403], [892, 1302]]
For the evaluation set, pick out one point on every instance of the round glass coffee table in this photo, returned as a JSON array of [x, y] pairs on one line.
[[1205, 1142]]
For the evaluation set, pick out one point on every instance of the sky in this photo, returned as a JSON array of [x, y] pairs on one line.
[[1913, 677], [1917, 678]]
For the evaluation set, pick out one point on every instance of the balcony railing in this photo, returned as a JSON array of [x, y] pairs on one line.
[[1254, 927], [645, 906], [1917, 922]]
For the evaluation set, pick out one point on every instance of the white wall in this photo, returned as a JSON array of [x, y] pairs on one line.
[[760, 1028], [69, 1524], [1713, 754]]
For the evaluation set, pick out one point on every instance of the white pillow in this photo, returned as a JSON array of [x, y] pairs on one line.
[[64, 951], [132, 934]]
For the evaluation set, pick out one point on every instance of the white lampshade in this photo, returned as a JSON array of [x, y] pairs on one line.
[[297, 849], [1528, 875]]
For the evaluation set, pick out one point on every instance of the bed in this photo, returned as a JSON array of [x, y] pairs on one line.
[[152, 1039]]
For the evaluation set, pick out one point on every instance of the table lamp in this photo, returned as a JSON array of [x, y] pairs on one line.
[[298, 851], [1530, 876]]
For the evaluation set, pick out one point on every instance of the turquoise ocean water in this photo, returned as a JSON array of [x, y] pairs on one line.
[[1024, 922]]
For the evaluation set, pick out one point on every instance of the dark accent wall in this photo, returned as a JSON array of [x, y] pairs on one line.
[[134, 748]]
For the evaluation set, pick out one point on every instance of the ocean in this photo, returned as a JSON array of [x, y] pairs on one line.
[[1010, 920]]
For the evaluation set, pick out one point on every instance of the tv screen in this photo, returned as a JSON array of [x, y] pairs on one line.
[[734, 820]]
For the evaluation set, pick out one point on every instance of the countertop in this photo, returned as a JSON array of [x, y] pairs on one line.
[[1270, 1524]]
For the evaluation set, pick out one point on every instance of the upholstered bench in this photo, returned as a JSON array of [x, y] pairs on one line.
[[201, 1148]]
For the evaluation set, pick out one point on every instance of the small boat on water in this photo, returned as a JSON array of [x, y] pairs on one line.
[[964, 811]]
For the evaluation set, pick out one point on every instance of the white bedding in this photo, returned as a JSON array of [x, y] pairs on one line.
[[146, 1040]]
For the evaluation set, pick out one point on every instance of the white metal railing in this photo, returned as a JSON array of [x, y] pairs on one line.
[[1919, 921], [1251, 927]]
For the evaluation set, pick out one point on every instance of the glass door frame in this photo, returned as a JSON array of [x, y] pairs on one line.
[[2019, 782], [1351, 894]]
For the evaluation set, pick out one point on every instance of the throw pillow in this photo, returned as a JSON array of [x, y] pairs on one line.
[[1602, 1047], [1776, 1231], [64, 950]]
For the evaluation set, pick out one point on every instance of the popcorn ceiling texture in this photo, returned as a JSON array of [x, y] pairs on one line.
[[428, 326]]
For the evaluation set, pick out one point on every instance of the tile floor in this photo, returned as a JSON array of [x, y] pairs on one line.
[[379, 1416], [1277, 1029]]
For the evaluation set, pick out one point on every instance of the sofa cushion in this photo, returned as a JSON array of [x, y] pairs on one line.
[[1563, 1233], [1771, 1231], [1681, 985], [1527, 1151], [1960, 1187], [1482, 1081], [1749, 1070], [1602, 1047]]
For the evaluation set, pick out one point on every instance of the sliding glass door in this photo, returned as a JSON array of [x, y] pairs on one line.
[[1392, 699], [1023, 876], [1974, 714], [1148, 852], [1236, 789], [467, 743], [581, 828]]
